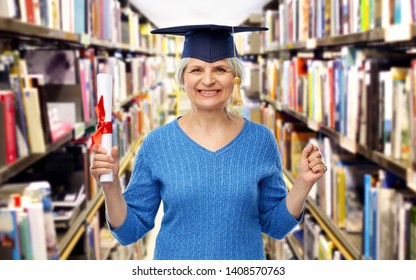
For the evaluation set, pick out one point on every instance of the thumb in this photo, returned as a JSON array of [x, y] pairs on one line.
[[114, 154], [308, 150]]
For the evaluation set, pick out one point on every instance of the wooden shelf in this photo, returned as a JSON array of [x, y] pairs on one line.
[[345, 245], [117, 46], [295, 246], [355, 38], [375, 36], [68, 240], [8, 171], [18, 29]]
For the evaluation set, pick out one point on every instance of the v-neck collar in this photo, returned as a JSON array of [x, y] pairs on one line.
[[205, 150]]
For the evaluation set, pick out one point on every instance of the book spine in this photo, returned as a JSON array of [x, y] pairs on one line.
[[367, 217], [6, 98], [37, 230], [412, 227], [9, 235]]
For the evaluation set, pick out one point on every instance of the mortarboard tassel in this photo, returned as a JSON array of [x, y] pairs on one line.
[[236, 98]]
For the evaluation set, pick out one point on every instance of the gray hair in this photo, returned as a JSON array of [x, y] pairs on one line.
[[230, 60]]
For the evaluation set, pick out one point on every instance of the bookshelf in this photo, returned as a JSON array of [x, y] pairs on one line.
[[401, 168], [323, 37], [137, 107]]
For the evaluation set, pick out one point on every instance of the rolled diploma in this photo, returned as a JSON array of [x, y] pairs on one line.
[[105, 88]]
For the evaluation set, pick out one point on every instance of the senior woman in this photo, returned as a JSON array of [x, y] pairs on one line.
[[219, 175]]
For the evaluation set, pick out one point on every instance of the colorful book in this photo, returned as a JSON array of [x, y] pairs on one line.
[[9, 235]]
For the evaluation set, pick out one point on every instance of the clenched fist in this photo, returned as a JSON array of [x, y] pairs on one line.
[[311, 166], [102, 163]]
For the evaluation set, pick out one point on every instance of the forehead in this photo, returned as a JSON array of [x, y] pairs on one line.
[[201, 63]]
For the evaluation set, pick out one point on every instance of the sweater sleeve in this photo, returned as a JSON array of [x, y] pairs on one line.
[[142, 198], [275, 219]]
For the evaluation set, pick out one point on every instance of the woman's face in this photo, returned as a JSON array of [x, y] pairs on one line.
[[208, 85]]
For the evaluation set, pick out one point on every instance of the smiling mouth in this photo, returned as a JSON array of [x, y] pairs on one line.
[[208, 92]]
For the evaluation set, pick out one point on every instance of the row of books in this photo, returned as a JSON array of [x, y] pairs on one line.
[[277, 249], [47, 93], [27, 120], [386, 221], [170, 45], [366, 95], [300, 20], [344, 193], [69, 184], [131, 76], [135, 119], [101, 244], [251, 85], [116, 252], [307, 242], [389, 230], [27, 229], [248, 43], [314, 242], [101, 19], [66, 170]]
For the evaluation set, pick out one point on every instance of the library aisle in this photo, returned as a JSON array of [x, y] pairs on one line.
[[338, 74], [51, 208]]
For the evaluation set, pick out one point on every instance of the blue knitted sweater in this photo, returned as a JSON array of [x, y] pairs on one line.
[[216, 204]]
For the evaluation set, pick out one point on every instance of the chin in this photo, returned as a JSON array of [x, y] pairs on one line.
[[210, 106]]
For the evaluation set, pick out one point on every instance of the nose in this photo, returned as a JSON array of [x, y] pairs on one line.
[[208, 79]]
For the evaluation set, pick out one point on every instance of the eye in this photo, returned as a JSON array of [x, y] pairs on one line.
[[221, 70], [193, 70]]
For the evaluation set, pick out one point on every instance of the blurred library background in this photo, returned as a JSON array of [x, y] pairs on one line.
[[339, 74]]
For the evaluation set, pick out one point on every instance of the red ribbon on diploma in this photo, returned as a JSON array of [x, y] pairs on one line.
[[102, 126]]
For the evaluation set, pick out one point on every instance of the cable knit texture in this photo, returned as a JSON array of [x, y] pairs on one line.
[[216, 204]]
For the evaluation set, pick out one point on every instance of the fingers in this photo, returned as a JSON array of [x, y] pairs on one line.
[[315, 155], [99, 167], [99, 157], [101, 163], [317, 165], [308, 150], [316, 161], [114, 153], [319, 168], [100, 171], [98, 150]]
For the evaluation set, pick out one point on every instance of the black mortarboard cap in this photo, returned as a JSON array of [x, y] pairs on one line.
[[207, 42]]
